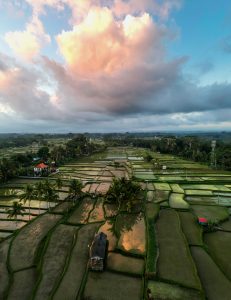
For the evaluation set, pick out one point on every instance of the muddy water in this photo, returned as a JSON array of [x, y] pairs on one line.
[[112, 240], [132, 234]]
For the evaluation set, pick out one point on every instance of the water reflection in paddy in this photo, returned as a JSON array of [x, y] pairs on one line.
[[11, 225], [107, 229], [4, 234], [4, 216], [131, 229]]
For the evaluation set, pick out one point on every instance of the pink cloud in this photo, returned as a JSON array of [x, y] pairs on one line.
[[100, 43], [21, 93], [28, 43], [161, 9], [39, 5], [80, 8]]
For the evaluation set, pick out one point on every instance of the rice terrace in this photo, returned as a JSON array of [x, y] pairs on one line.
[[171, 240], [115, 150]]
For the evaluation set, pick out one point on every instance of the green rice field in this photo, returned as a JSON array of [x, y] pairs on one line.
[[158, 247]]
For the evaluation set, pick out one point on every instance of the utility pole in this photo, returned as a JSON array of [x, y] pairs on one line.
[[213, 155]]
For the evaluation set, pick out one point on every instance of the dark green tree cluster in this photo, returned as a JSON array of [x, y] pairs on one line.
[[189, 147], [124, 193], [22, 164], [44, 191], [41, 191]]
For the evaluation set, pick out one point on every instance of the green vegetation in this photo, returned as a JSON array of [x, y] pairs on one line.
[[22, 162], [160, 196], [191, 229], [194, 148], [4, 279], [23, 248], [48, 256], [81, 213], [176, 188], [219, 245], [211, 213], [22, 284], [54, 260], [162, 186], [125, 264], [174, 263], [151, 211], [124, 193], [74, 273], [198, 193], [214, 282], [177, 201], [16, 210], [112, 286], [162, 290]]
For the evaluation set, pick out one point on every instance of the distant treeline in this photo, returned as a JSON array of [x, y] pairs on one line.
[[22, 164], [192, 148], [20, 140], [23, 140]]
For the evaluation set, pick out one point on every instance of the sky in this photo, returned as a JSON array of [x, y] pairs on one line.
[[115, 65]]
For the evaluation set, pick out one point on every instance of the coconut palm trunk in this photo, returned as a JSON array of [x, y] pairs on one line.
[[29, 194], [15, 210]]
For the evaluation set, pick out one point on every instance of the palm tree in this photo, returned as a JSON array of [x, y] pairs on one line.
[[59, 183], [15, 210], [50, 194], [124, 192], [39, 191], [28, 195], [75, 189]]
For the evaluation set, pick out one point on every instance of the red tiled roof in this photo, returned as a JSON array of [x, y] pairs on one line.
[[41, 166], [202, 220]]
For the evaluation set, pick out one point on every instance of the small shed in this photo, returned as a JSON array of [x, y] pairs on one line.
[[98, 251], [202, 221]]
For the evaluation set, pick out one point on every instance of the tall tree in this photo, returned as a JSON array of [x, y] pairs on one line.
[[59, 183], [28, 195], [38, 192], [75, 189], [7, 169], [124, 192], [50, 194], [15, 210]]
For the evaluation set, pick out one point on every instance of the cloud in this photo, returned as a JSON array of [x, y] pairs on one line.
[[158, 89], [116, 75], [204, 67], [102, 44], [161, 9], [39, 5], [120, 8], [21, 94], [28, 43], [226, 44]]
